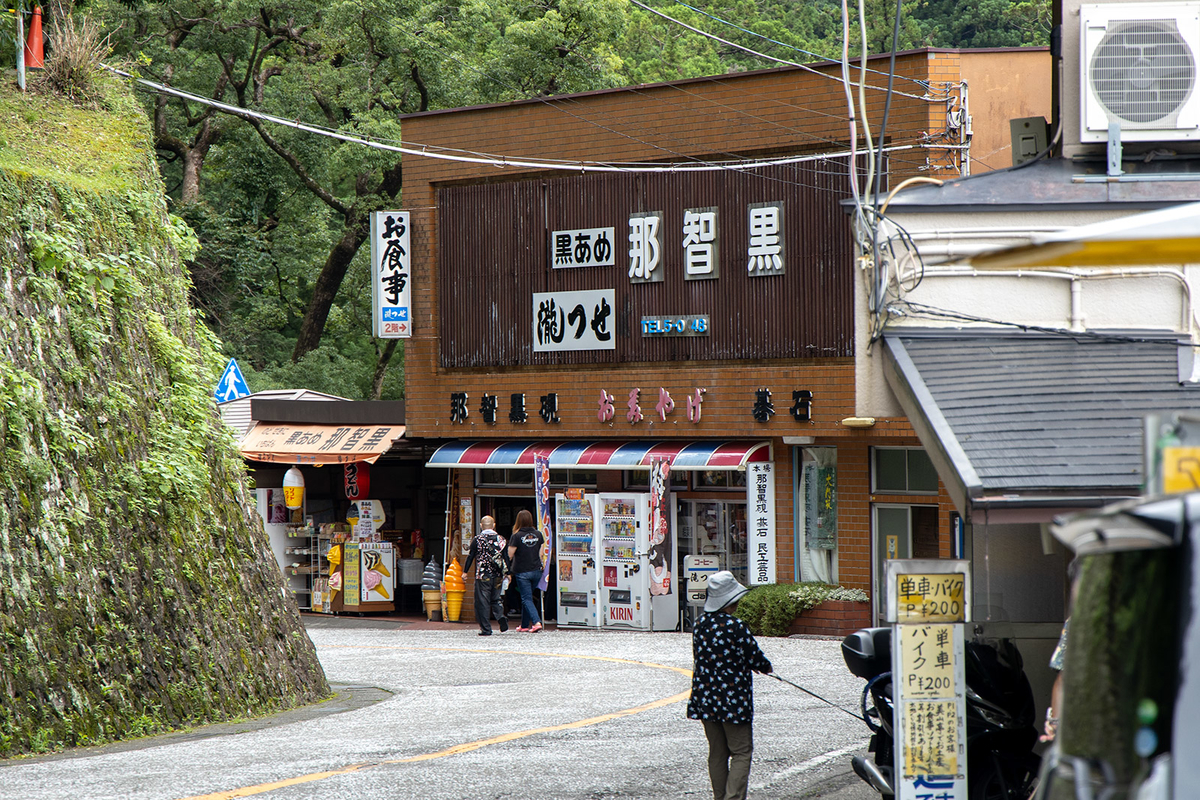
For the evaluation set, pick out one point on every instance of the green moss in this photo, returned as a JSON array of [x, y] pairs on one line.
[[134, 581]]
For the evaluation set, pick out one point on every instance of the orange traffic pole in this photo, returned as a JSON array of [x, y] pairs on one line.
[[33, 47]]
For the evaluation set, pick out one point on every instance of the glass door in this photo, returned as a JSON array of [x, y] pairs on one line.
[[719, 528], [893, 539]]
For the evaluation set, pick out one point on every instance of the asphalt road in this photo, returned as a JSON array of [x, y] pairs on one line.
[[446, 714]]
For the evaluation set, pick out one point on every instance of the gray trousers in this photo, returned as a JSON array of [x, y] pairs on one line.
[[488, 603], [730, 745]]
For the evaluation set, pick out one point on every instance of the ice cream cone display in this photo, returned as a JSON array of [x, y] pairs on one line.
[[431, 590], [454, 591]]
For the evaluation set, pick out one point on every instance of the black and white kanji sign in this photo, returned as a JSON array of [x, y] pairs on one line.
[[574, 320], [585, 247], [764, 254], [391, 274]]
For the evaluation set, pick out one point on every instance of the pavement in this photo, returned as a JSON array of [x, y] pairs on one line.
[[433, 711]]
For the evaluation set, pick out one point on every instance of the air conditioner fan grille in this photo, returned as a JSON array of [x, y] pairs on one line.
[[1142, 70]]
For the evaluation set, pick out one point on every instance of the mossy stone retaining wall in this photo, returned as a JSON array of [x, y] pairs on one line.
[[137, 589]]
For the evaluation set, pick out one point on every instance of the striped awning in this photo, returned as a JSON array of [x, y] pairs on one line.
[[616, 454]]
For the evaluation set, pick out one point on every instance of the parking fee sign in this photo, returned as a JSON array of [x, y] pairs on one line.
[[698, 570], [927, 601]]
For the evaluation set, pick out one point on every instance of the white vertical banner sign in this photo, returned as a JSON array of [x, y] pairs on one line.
[[927, 601], [760, 504], [391, 274]]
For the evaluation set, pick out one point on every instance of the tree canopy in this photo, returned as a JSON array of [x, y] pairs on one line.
[[281, 215]]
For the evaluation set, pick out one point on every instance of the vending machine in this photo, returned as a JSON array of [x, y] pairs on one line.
[[575, 556], [621, 522]]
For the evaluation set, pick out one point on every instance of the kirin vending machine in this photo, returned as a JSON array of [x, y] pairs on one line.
[[575, 553], [624, 586]]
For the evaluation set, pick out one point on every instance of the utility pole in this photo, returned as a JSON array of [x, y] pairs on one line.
[[20, 15]]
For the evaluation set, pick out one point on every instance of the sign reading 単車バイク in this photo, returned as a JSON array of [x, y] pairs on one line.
[[232, 385]]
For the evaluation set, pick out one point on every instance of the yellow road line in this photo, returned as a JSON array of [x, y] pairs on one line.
[[263, 788]]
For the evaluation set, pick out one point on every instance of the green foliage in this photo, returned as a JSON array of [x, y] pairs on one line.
[[770, 610], [268, 226]]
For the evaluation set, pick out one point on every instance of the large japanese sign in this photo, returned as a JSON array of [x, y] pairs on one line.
[[745, 259], [391, 274], [573, 321], [926, 598], [760, 549]]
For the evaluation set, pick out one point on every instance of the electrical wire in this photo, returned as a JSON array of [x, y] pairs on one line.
[[714, 37], [454, 154], [934, 312], [923, 84]]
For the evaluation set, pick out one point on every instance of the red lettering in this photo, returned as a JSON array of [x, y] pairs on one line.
[[620, 614]]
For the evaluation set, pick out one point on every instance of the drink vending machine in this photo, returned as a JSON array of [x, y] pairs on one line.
[[575, 552], [612, 571], [624, 585]]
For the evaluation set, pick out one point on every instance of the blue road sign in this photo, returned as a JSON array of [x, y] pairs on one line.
[[232, 385]]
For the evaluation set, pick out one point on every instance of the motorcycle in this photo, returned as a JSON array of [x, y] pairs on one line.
[[1001, 764]]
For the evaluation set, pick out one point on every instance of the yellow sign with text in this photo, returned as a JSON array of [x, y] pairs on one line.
[[937, 597]]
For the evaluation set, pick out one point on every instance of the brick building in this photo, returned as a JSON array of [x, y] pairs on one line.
[[673, 330]]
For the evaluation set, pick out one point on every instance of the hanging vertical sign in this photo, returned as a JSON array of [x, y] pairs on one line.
[[357, 480], [391, 274], [760, 503], [541, 491], [466, 522], [927, 601], [662, 550]]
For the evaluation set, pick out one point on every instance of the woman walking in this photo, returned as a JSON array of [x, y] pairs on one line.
[[525, 553]]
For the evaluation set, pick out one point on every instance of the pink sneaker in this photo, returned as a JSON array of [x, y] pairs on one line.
[[522, 630], [537, 626]]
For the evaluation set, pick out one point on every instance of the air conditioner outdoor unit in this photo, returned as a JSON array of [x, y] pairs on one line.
[[1138, 67]]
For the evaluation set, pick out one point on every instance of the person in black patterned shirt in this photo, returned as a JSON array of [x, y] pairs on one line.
[[724, 654], [488, 578]]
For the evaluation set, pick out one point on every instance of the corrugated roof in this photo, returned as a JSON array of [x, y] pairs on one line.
[[1029, 414], [236, 413], [1051, 183]]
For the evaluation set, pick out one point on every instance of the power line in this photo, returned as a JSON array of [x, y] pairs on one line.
[[557, 105], [925, 98], [923, 84], [467, 156]]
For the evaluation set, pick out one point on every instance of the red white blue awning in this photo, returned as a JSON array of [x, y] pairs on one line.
[[635, 454]]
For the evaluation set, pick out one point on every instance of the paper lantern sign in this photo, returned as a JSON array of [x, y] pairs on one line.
[[293, 488], [358, 480]]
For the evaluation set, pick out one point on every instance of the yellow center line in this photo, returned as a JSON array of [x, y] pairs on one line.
[[466, 747]]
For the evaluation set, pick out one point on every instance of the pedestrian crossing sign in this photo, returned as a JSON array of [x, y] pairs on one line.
[[232, 385]]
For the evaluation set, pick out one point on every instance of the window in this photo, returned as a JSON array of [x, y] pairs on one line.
[[640, 479], [902, 470], [504, 477], [572, 477], [523, 478], [720, 479]]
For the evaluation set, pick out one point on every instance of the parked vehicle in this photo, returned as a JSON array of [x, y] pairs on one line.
[[1001, 764], [1131, 676]]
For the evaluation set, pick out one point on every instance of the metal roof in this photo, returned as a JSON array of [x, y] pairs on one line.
[[236, 413], [1053, 183], [1013, 418]]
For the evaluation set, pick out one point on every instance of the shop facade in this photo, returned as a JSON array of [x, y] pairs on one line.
[[369, 513], [608, 321]]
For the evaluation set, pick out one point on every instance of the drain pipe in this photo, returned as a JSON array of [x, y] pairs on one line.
[[1076, 304]]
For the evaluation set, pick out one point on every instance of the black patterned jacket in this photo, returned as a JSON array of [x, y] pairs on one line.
[[724, 652]]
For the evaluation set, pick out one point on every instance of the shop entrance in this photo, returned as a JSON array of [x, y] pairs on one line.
[[504, 510], [712, 528]]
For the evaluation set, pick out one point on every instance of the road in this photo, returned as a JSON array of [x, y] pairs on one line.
[[445, 714]]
